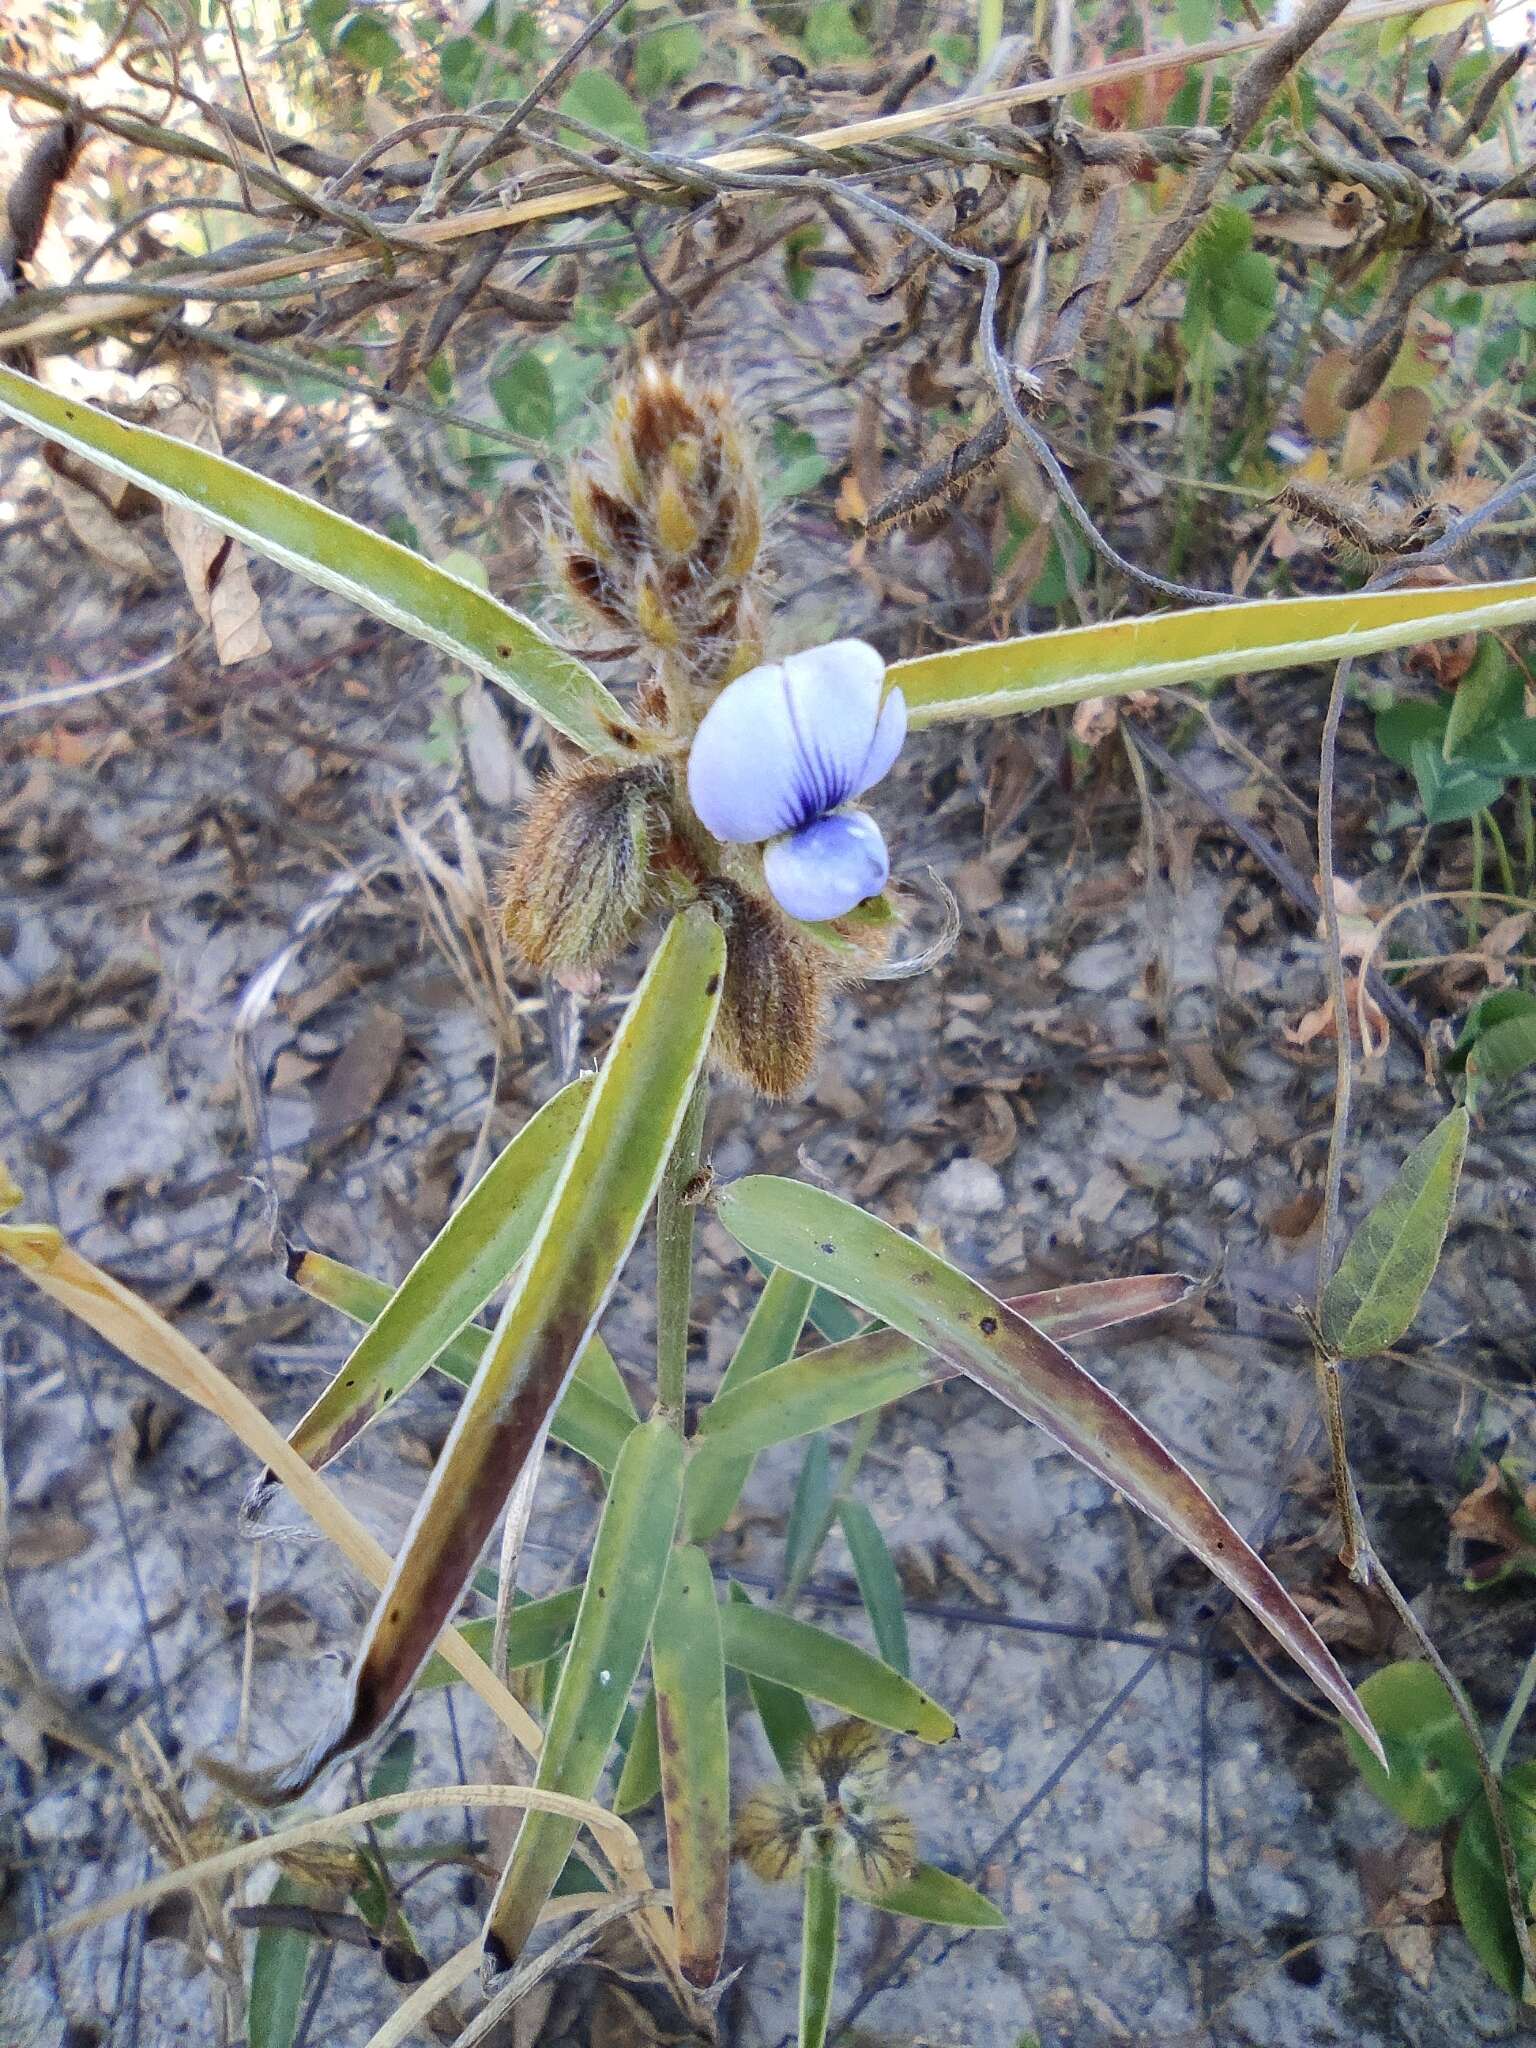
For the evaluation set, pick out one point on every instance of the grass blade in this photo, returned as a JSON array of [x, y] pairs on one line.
[[595, 1412], [844, 1380], [1391, 1259], [715, 1479], [471, 1256], [689, 1668], [618, 1602], [938, 1306], [879, 1587], [766, 1643], [607, 1184], [1008, 677], [391, 581]]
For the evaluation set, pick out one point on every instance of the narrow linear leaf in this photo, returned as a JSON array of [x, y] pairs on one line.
[[469, 1259], [930, 1894], [1391, 1259], [834, 1318], [586, 1421], [809, 1511], [386, 579], [279, 1965], [586, 1233], [715, 1480], [640, 1779], [618, 1603], [938, 1306], [1009, 677], [818, 1953], [879, 1587], [783, 1712], [766, 1643], [689, 1669], [537, 1631], [844, 1380]]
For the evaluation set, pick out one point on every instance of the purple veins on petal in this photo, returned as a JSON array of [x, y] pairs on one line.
[[828, 867]]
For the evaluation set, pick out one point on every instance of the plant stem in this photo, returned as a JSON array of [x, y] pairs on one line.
[[989, 28], [674, 1259], [1509, 1728], [818, 1951], [1500, 852]]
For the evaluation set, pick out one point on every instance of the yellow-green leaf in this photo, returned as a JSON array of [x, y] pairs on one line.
[[766, 1643], [689, 1669], [936, 1305], [618, 1603], [389, 580], [928, 1894], [1006, 677], [1391, 1259]]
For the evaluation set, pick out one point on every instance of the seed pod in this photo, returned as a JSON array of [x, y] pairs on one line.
[[579, 880], [31, 193], [768, 1031]]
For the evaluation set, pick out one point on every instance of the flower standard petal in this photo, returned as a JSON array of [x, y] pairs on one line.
[[890, 735], [746, 771], [833, 694], [828, 867]]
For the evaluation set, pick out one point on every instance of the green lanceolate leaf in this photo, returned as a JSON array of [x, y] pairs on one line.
[[1391, 1259], [818, 1953], [537, 1631], [608, 1182], [689, 1669], [785, 1717], [715, 1478], [1012, 676], [624, 1581], [879, 1587], [941, 1308], [812, 1661], [844, 1380], [391, 581], [469, 1259], [279, 1964], [1477, 1876], [595, 1412], [1433, 1772], [929, 1894], [810, 1512], [640, 1780]]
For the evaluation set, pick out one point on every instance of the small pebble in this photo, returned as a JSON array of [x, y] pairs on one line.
[[969, 1187]]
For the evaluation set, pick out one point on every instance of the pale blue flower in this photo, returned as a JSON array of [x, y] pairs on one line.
[[779, 755]]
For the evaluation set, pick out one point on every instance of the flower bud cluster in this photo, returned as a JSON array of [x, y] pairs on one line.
[[742, 791]]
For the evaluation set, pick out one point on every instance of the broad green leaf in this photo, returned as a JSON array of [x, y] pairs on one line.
[[938, 1306], [1432, 1774], [640, 1779], [785, 1717], [1399, 728], [1013, 676], [879, 1587], [1503, 1051], [391, 581], [809, 1511], [594, 97], [525, 396], [279, 1964], [766, 1643], [1450, 790], [537, 1631], [471, 1256], [929, 1894], [1488, 693], [1391, 1259], [595, 1412], [1477, 1876], [609, 1179], [618, 1602], [1499, 1006], [715, 1478], [831, 33], [666, 57], [689, 1669], [818, 1953], [844, 1380]]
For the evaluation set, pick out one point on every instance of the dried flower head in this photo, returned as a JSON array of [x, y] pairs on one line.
[[667, 530], [580, 878], [831, 1805]]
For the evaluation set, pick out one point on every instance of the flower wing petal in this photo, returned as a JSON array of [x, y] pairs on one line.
[[828, 867], [746, 770], [834, 703], [890, 734]]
